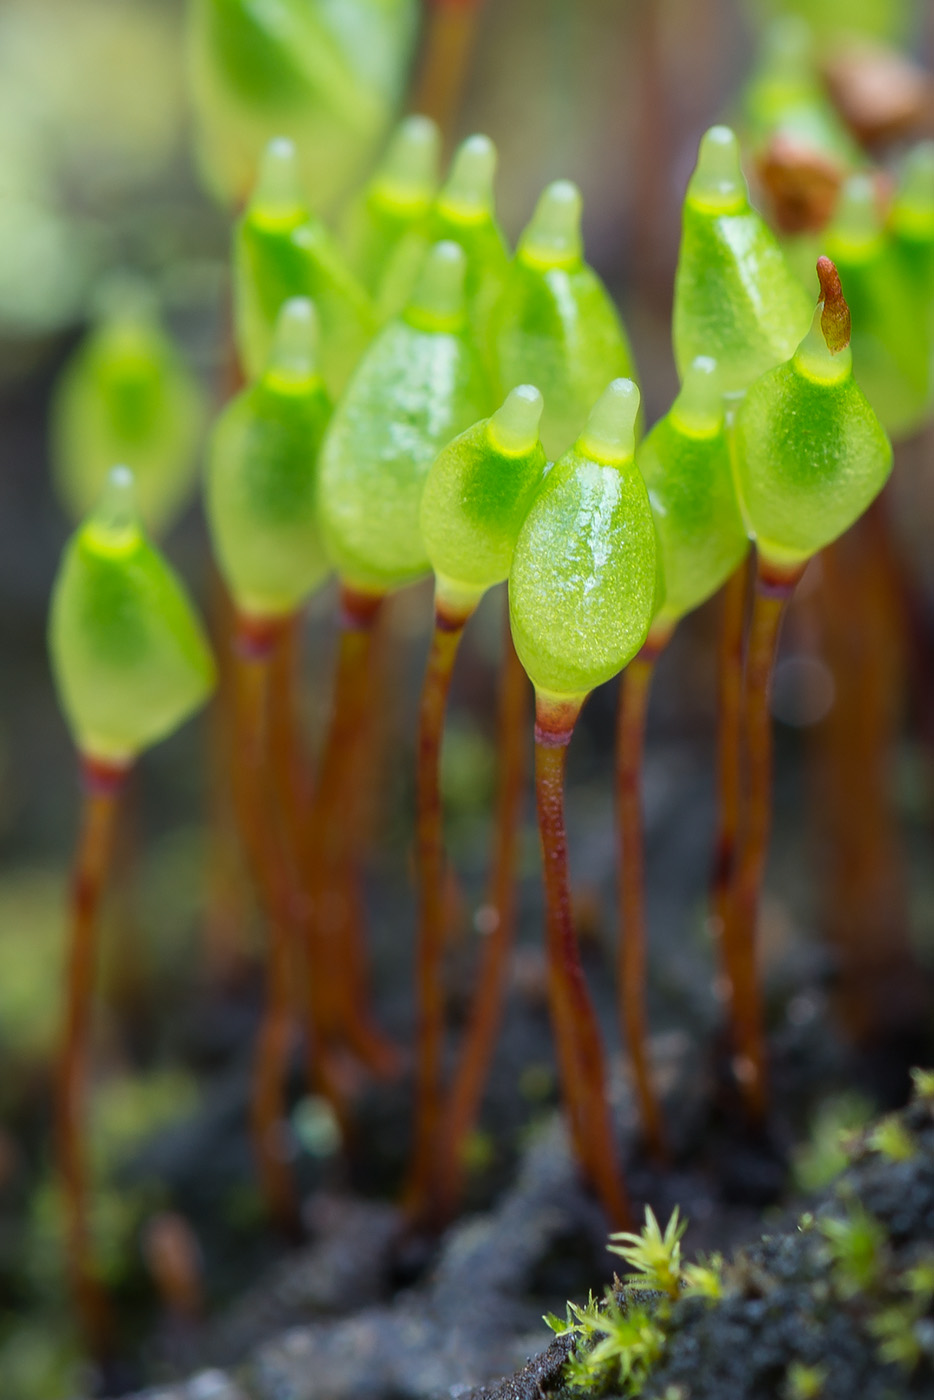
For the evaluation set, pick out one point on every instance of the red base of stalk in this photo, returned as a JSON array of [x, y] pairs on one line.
[[577, 1034]]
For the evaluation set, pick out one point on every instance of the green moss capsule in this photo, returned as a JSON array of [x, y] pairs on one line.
[[786, 97], [394, 205], [329, 76], [583, 582], [126, 395], [280, 251], [477, 495], [736, 299], [130, 657], [685, 463], [419, 384], [555, 325], [891, 350], [262, 477], [810, 453]]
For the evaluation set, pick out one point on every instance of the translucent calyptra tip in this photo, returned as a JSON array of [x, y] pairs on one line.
[[913, 207], [113, 526], [552, 237], [717, 184], [856, 224], [698, 408], [125, 296], [610, 434], [293, 358], [514, 426], [409, 172], [824, 352], [468, 190], [439, 292], [277, 193]]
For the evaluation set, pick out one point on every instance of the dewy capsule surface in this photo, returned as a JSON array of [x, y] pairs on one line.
[[555, 325], [419, 384], [583, 585], [685, 463], [129, 654], [477, 495], [262, 483], [809, 452], [736, 299], [282, 250]]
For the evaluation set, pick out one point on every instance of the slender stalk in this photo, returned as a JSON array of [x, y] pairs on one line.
[[473, 1067], [102, 784], [337, 954], [286, 757], [268, 1106], [773, 593], [445, 63], [634, 691], [429, 956], [577, 1034], [729, 753]]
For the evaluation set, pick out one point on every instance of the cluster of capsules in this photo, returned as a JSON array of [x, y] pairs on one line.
[[420, 400]]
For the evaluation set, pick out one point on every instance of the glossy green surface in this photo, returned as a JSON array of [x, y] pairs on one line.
[[394, 205], [330, 76], [582, 588], [419, 384], [736, 299], [130, 657], [891, 342], [809, 452], [685, 463], [280, 251], [262, 478], [555, 325], [127, 396], [477, 494]]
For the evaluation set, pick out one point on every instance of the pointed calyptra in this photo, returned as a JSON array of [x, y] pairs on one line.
[[809, 452], [130, 657], [394, 204], [418, 385], [329, 77], [891, 349], [685, 463], [476, 497], [281, 250], [262, 478], [464, 212], [127, 396], [555, 325], [736, 299], [583, 584]]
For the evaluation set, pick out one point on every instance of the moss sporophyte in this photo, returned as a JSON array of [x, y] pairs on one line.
[[583, 589], [131, 663]]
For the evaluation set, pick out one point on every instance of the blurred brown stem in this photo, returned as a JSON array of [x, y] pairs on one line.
[[444, 66]]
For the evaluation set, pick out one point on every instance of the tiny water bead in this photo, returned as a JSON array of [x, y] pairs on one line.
[[395, 203], [685, 463], [262, 475], [555, 325], [583, 586], [130, 657], [736, 299], [126, 395], [282, 250], [330, 78], [418, 385], [477, 495], [810, 453]]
